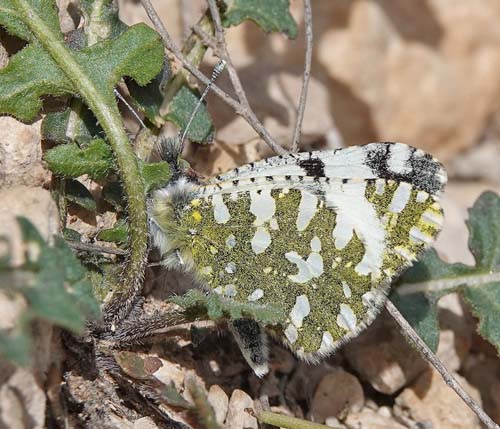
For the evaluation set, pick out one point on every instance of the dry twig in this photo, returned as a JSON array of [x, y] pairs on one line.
[[306, 76], [448, 378], [77, 245], [238, 107]]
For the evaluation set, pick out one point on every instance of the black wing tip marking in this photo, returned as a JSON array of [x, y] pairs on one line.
[[424, 172]]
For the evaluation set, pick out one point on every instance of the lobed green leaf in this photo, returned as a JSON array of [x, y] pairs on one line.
[[69, 160], [479, 285], [182, 106], [76, 192], [269, 15]]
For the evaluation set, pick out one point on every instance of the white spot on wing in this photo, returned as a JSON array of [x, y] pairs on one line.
[[261, 240], [433, 218], [273, 224], [300, 310], [256, 295], [309, 269], [379, 186], [304, 274], [400, 197], [231, 241], [417, 235], [307, 209], [221, 212], [368, 299], [327, 343], [230, 291], [346, 318], [291, 333], [315, 262], [230, 268], [398, 159], [262, 205], [422, 196], [356, 214], [346, 289], [315, 244]]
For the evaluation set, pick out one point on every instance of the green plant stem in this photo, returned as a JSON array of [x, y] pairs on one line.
[[109, 118], [288, 422]]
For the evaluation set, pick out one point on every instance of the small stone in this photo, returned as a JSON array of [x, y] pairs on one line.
[[455, 337], [21, 154], [333, 422], [237, 417], [22, 400], [369, 419], [384, 411], [483, 372], [144, 423], [337, 392], [37, 205], [383, 358], [219, 401], [432, 403], [170, 372]]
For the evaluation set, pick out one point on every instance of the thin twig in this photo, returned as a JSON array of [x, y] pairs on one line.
[[93, 248], [222, 47], [241, 110], [306, 76], [233, 74], [448, 378]]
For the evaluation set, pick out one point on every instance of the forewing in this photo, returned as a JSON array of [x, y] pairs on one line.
[[325, 249], [392, 161]]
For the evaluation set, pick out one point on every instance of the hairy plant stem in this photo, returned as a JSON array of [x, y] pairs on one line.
[[108, 116]]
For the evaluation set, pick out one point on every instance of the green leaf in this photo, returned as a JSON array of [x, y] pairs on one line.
[[484, 224], [73, 125], [77, 193], [422, 314], [431, 278], [484, 243], [155, 175], [485, 305], [101, 20], [117, 234], [69, 160], [71, 234], [112, 193], [182, 106], [55, 287], [11, 19], [198, 304], [61, 292], [269, 15], [32, 72], [16, 346], [148, 99]]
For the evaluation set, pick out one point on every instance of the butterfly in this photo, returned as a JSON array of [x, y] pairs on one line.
[[319, 234]]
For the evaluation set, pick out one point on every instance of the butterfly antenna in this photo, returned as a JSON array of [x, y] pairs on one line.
[[129, 107], [215, 73]]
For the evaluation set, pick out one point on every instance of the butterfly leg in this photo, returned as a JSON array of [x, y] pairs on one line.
[[252, 341]]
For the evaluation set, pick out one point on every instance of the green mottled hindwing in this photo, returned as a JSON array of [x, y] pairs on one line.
[[322, 247], [245, 260]]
